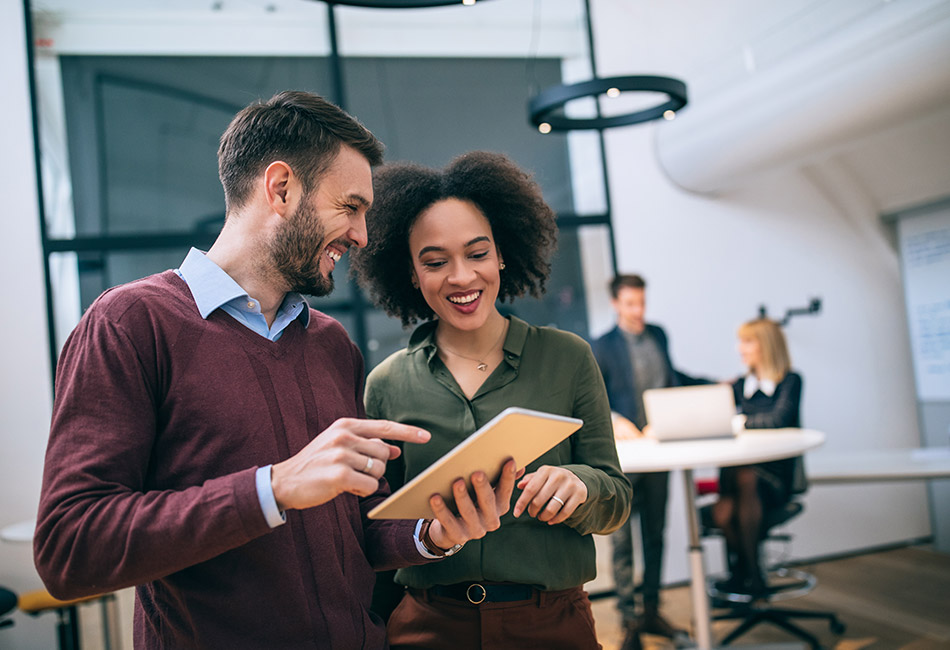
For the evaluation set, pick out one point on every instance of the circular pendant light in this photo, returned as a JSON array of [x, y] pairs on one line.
[[542, 108]]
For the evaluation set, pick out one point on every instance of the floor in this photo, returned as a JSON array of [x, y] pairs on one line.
[[891, 600]]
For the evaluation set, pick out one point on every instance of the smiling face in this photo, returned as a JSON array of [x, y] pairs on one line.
[[455, 263], [327, 221], [751, 352]]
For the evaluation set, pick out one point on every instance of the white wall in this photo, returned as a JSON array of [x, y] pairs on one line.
[[25, 386], [802, 232]]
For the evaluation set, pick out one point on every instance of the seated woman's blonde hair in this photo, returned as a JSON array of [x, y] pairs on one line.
[[776, 362]]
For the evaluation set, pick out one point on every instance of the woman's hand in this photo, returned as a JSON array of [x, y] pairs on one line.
[[551, 494], [475, 518]]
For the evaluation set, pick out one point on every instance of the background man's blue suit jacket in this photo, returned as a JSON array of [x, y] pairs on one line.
[[613, 356]]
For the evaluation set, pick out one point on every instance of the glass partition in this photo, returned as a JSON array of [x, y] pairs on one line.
[[131, 109]]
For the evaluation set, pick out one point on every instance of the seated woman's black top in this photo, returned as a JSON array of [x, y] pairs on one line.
[[776, 411]]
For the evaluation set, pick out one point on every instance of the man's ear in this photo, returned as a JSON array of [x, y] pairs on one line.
[[279, 184]]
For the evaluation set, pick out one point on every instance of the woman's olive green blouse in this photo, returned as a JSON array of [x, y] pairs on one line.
[[543, 369]]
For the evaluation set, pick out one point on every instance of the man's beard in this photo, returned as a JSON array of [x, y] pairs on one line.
[[297, 250]]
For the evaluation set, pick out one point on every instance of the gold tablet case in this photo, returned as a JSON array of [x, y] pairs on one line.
[[516, 433]]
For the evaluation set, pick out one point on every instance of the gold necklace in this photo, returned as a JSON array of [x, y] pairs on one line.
[[482, 366]]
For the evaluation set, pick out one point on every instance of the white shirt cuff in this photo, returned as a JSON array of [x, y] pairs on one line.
[[265, 494], [419, 545]]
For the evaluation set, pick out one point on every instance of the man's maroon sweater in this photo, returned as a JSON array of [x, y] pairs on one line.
[[160, 420]]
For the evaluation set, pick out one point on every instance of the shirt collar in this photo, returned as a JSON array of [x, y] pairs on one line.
[[212, 287], [632, 337], [423, 338], [753, 383]]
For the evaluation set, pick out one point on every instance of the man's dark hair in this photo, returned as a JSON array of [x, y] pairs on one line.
[[523, 227], [629, 280], [301, 129]]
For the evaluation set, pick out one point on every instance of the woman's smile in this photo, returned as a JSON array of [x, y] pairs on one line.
[[455, 263]]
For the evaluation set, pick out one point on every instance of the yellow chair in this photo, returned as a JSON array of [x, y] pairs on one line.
[[37, 602]]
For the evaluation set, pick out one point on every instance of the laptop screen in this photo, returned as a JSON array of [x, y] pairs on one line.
[[690, 412]]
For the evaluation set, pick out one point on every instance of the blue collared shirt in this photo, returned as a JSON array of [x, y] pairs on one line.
[[212, 288]]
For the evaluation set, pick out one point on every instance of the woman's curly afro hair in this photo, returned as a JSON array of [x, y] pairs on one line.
[[522, 224]]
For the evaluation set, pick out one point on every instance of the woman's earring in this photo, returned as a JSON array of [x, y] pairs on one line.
[[501, 267]]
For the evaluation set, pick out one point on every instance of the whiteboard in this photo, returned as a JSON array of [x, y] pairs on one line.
[[925, 260]]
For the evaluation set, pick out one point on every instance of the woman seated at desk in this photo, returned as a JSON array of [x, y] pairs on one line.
[[769, 396]]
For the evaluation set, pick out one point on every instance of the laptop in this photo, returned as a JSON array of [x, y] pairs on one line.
[[690, 412]]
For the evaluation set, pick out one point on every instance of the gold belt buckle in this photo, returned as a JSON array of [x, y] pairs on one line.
[[478, 598]]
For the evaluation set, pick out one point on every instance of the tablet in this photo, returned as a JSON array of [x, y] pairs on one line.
[[516, 433]]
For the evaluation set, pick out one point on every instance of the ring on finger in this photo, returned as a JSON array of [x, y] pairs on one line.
[[369, 465], [558, 499]]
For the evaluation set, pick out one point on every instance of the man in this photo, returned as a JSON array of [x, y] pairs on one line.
[[634, 356], [205, 445]]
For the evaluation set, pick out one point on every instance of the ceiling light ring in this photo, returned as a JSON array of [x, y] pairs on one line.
[[555, 97]]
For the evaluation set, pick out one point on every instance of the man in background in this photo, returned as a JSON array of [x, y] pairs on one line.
[[634, 356], [207, 444]]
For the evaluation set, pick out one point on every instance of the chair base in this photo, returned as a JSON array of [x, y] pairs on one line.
[[752, 615], [784, 583]]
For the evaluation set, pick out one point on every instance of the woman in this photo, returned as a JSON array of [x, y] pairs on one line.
[[769, 397], [445, 246]]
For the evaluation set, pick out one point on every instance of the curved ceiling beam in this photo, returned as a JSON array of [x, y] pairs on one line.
[[862, 80]]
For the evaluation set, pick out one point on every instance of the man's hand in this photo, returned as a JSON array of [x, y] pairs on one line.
[[624, 429], [551, 494], [477, 518], [348, 456]]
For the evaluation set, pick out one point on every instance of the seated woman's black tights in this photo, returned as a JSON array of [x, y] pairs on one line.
[[738, 513]]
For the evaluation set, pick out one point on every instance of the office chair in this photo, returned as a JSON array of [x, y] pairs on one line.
[[40, 601], [783, 582], [37, 602]]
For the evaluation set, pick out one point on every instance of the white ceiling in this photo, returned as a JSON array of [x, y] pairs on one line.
[[865, 84], [716, 47]]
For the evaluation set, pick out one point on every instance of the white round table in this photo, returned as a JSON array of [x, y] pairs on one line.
[[751, 446]]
